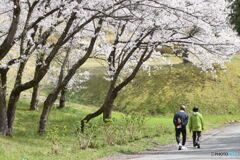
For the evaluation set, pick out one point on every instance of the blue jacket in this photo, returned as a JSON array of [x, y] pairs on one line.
[[183, 117]]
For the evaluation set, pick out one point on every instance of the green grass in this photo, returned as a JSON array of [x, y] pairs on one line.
[[26, 144]]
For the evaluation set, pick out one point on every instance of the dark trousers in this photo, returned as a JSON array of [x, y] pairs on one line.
[[184, 135], [196, 137]]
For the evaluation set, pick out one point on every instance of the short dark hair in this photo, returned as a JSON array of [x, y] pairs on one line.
[[182, 107], [195, 109]]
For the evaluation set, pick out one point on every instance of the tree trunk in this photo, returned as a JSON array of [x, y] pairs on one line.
[[113, 91], [44, 118], [108, 103], [60, 79], [46, 109], [107, 112], [14, 97], [185, 56], [3, 114], [3, 108], [62, 98], [106, 108], [89, 117], [35, 94], [35, 100]]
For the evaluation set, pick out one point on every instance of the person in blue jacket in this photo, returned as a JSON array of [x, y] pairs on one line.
[[180, 121]]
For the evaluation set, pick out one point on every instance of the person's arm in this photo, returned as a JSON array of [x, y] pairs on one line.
[[190, 124], [185, 121], [175, 120]]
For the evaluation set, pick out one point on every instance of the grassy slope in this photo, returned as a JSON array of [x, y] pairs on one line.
[[27, 145], [168, 88]]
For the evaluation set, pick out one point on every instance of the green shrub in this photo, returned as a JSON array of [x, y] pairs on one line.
[[117, 131]]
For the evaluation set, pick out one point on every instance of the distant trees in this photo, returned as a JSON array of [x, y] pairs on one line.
[[84, 27], [235, 14]]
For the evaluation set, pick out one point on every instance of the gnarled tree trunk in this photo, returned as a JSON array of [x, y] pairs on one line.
[[113, 91], [35, 94], [46, 109], [34, 100], [3, 109], [108, 105], [90, 116], [3, 114], [60, 79], [62, 98], [106, 108], [13, 99]]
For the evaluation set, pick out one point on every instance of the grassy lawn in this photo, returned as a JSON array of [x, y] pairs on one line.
[[61, 141]]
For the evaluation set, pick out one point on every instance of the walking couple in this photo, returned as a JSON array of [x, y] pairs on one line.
[[195, 125]]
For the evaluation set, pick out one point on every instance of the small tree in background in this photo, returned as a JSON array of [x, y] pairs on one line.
[[235, 14]]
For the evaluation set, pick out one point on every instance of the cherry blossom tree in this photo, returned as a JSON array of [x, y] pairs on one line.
[[87, 35], [16, 31], [199, 27], [42, 20], [36, 39]]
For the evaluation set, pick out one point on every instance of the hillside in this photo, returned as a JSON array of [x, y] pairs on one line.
[[169, 87]]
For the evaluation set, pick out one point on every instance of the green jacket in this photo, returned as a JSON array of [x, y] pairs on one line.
[[196, 122]]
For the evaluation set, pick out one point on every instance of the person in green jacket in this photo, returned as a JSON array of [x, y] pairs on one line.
[[196, 126]]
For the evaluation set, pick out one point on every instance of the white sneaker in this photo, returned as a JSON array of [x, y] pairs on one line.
[[179, 146], [184, 148]]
